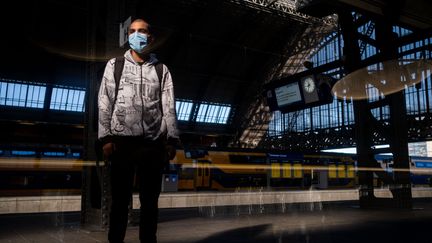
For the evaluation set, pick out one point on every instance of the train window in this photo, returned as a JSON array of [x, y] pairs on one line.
[[420, 165], [195, 154], [54, 154], [23, 153], [257, 159], [245, 159]]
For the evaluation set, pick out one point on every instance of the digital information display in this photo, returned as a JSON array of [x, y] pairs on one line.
[[288, 94]]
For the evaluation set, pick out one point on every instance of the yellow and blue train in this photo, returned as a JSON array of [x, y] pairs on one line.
[[207, 169], [204, 169]]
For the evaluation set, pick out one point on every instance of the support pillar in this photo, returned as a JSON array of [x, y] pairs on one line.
[[363, 135], [401, 188], [395, 133]]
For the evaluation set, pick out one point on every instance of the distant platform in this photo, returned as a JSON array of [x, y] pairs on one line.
[[47, 204]]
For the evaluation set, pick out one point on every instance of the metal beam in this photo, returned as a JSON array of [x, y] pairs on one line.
[[285, 8]]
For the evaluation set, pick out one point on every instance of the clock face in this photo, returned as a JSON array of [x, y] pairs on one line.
[[309, 85]]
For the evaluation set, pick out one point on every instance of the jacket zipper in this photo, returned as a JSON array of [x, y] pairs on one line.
[[142, 102]]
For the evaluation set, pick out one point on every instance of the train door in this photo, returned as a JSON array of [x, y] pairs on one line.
[[275, 173], [202, 178], [319, 173], [275, 169], [298, 169], [350, 171], [341, 173]]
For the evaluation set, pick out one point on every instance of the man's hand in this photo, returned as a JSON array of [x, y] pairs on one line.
[[171, 151], [108, 149]]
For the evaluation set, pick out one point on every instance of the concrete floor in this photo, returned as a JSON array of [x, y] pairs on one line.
[[317, 222]]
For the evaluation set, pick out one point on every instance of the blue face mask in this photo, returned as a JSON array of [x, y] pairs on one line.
[[138, 41]]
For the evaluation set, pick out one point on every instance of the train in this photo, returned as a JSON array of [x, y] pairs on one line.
[[207, 169], [210, 169], [420, 168], [29, 176]]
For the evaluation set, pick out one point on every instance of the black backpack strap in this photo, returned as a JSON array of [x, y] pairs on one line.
[[118, 70], [159, 72]]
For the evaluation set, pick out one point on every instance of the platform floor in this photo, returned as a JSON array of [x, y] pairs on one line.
[[47, 204], [316, 222]]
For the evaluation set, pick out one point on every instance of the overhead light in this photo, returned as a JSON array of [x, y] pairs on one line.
[[395, 76]]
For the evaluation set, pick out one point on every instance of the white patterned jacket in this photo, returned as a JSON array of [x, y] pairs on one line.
[[137, 110]]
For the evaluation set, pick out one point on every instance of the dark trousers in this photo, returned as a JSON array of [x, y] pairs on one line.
[[145, 160]]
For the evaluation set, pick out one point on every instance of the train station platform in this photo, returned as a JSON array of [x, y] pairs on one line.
[[323, 222], [47, 204]]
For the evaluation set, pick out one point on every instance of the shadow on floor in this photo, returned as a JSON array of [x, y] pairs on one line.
[[251, 234], [400, 231]]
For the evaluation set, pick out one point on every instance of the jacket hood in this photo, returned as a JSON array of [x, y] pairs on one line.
[[152, 58]]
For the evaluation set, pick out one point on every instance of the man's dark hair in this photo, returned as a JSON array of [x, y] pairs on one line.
[[142, 20]]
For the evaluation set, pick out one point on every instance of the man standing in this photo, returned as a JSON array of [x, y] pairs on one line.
[[137, 126]]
